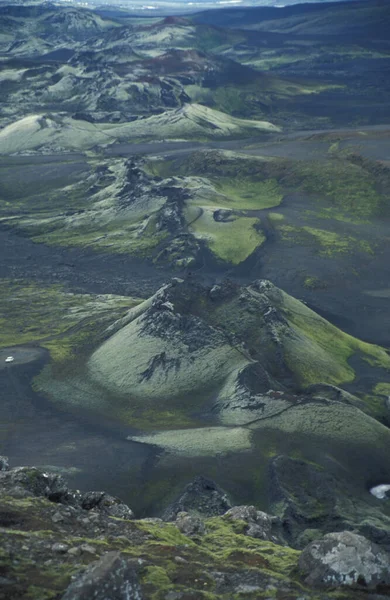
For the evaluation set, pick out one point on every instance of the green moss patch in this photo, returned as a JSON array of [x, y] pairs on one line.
[[248, 194], [231, 241], [320, 351], [328, 243], [57, 319]]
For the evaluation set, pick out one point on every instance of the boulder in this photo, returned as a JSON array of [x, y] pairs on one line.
[[259, 524], [189, 524], [345, 558], [200, 497], [110, 577], [107, 504]]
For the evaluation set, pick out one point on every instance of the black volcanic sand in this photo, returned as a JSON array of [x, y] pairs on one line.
[[355, 285], [92, 455], [81, 270]]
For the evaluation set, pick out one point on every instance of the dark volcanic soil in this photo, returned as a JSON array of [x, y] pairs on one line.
[[83, 271]]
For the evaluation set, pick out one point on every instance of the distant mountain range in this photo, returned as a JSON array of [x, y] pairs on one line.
[[163, 6]]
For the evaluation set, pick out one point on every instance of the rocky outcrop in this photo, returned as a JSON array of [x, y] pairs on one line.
[[200, 497], [26, 482], [310, 502], [346, 559], [58, 543], [111, 577], [259, 524]]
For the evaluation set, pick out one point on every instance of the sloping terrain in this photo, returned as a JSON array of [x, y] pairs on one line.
[[194, 231], [109, 70], [40, 132], [329, 18], [239, 372]]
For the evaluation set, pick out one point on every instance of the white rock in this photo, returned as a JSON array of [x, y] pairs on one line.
[[380, 491]]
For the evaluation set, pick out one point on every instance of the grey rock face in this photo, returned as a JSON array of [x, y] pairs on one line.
[[37, 483], [345, 559], [111, 577], [22, 482], [260, 524], [107, 504], [4, 464], [201, 497]]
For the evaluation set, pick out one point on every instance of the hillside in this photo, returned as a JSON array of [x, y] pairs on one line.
[[194, 315]]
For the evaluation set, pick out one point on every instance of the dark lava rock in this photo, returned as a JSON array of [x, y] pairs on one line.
[[312, 502], [223, 215], [200, 497], [4, 464], [30, 481], [110, 505], [260, 524], [345, 559], [112, 577]]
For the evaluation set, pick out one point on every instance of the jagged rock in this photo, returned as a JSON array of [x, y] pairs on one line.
[[4, 463], [22, 482], [189, 524], [108, 504], [260, 524], [200, 497], [37, 483], [345, 559], [110, 577]]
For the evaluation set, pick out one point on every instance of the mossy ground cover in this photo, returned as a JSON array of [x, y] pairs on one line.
[[321, 351], [53, 317], [245, 193], [231, 241], [168, 561], [327, 243], [43, 189], [249, 94], [351, 188], [117, 237], [77, 204], [354, 187]]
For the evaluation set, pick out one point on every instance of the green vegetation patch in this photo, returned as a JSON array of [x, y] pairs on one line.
[[244, 193], [351, 187], [382, 388], [57, 319], [117, 237], [329, 243], [226, 542], [232, 240], [170, 562], [321, 351]]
